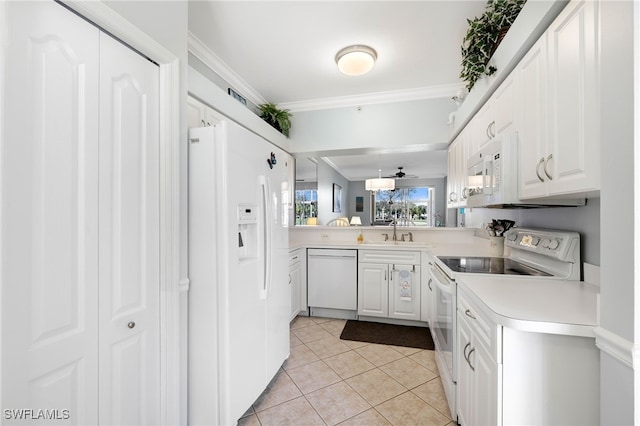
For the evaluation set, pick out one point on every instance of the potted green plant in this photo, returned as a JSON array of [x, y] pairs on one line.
[[280, 119], [483, 36]]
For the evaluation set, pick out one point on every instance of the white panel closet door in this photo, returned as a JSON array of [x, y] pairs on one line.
[[129, 237], [49, 204]]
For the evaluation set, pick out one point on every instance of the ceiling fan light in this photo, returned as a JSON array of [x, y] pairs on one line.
[[356, 60]]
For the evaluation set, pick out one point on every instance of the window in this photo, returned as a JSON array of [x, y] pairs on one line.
[[409, 206], [306, 205]]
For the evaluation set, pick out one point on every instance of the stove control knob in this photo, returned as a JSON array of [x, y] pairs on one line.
[[554, 244], [545, 243], [535, 241], [513, 237]]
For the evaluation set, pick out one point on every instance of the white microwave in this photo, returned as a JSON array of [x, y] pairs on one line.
[[492, 173], [493, 178]]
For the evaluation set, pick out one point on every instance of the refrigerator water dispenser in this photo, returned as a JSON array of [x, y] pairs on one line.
[[247, 231]]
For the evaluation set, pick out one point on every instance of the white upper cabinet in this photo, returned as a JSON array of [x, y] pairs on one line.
[[495, 118], [504, 109], [199, 114], [559, 138], [573, 100], [457, 171], [551, 100], [532, 81]]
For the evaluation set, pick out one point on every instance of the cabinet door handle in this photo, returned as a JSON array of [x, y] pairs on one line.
[[546, 172], [429, 284], [464, 351], [385, 275], [490, 130], [469, 359], [289, 279], [469, 314], [538, 169]]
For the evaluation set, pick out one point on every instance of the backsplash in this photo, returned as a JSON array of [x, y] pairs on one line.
[[585, 220]]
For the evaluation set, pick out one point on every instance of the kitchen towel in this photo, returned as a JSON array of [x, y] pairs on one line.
[[405, 286]]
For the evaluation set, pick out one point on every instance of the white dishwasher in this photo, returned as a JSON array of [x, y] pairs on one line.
[[332, 280]]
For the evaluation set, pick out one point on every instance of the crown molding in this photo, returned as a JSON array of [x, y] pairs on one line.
[[432, 92], [217, 65]]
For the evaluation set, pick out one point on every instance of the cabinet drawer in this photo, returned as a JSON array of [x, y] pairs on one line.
[[485, 329], [378, 256]]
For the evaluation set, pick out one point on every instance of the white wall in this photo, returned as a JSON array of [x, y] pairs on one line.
[[619, 304], [383, 126], [327, 176]]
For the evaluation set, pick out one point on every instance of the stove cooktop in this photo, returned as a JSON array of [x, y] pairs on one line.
[[490, 265]]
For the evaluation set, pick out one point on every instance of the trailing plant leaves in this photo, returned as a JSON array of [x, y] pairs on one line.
[[482, 37]]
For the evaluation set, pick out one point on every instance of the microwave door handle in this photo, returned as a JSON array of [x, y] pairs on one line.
[[487, 177]]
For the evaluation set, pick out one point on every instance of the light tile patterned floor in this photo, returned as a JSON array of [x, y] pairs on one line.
[[328, 381]]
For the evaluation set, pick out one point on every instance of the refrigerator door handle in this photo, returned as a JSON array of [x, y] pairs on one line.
[[266, 240]]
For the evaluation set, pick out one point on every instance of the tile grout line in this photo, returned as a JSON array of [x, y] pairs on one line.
[[312, 322]]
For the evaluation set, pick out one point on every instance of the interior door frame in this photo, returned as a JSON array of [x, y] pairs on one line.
[[171, 284]]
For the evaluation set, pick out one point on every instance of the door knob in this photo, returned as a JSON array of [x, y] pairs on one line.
[[131, 324]]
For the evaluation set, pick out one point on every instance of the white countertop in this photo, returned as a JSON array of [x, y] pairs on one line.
[[542, 305], [539, 305]]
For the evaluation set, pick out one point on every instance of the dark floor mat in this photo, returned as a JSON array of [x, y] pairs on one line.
[[388, 334]]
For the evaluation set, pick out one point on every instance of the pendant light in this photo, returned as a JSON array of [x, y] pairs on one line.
[[380, 183]]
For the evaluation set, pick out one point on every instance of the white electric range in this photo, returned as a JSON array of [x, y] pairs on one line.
[[532, 253]]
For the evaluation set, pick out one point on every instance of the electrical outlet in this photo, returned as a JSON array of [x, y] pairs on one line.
[[324, 237]]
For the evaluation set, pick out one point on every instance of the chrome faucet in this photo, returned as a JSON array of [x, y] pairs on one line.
[[395, 236], [410, 235]]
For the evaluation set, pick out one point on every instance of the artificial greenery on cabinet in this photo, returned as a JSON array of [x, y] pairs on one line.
[[483, 36], [280, 119]]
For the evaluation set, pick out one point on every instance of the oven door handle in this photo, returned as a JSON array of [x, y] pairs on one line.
[[445, 288]]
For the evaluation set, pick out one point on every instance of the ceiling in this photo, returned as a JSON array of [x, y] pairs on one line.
[[284, 51]]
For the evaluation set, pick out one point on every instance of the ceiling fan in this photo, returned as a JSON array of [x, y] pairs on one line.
[[400, 174]]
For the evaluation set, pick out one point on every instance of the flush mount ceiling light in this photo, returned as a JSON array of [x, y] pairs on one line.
[[380, 183], [356, 59]]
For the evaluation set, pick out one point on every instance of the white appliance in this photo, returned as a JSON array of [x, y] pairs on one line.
[[239, 301], [332, 281], [492, 177], [534, 253]]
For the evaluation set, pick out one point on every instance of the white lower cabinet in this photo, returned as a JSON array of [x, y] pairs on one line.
[[514, 377], [478, 393], [297, 282], [427, 297], [389, 284]]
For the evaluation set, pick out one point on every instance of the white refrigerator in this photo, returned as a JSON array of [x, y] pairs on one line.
[[240, 203]]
